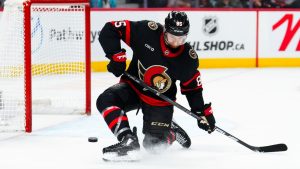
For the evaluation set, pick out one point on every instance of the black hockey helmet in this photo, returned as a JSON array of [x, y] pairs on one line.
[[177, 23]]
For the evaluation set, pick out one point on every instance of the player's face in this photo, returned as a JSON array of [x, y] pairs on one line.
[[175, 41]]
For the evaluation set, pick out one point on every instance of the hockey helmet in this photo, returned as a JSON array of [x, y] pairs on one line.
[[177, 23]]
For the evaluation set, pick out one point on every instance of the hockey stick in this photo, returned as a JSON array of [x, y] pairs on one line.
[[270, 148]]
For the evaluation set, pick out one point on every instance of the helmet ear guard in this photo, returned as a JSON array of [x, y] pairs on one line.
[[177, 23]]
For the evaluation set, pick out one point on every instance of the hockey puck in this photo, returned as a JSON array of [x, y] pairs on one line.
[[93, 139]]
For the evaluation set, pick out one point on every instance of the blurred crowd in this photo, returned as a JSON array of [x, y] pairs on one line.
[[197, 3], [193, 3]]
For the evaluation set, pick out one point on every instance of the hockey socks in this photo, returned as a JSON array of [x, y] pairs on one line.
[[117, 121]]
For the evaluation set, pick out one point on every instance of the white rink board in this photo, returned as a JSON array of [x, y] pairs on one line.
[[231, 39], [271, 36], [231, 30]]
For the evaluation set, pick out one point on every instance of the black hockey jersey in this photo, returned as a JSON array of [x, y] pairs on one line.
[[154, 62]]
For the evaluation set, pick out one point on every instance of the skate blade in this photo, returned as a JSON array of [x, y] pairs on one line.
[[132, 156]]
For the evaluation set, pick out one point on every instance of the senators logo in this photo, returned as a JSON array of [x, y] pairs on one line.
[[155, 76]]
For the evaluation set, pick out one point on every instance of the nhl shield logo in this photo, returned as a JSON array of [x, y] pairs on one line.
[[210, 25]]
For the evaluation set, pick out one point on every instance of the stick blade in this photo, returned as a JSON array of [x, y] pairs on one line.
[[273, 148]]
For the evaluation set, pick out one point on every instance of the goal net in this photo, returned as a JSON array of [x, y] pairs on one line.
[[44, 60]]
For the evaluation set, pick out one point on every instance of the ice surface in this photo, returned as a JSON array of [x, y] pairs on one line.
[[259, 106]]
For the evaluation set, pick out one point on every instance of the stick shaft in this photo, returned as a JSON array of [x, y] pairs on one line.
[[218, 129]]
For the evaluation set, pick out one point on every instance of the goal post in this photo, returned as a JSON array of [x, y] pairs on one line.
[[45, 60]]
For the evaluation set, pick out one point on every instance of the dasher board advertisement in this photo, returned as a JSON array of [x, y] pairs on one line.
[[279, 34]]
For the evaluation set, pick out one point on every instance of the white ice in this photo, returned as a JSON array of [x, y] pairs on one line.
[[259, 106]]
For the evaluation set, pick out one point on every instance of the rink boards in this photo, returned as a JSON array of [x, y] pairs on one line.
[[222, 38]]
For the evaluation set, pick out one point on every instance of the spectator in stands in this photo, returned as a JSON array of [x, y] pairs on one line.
[[262, 4], [278, 3], [180, 3], [2, 3], [139, 3], [183, 3], [103, 3], [205, 4], [245, 3], [157, 3], [228, 4], [257, 4], [293, 4]]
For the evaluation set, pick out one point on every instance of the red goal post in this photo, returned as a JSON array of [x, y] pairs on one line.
[[49, 59]]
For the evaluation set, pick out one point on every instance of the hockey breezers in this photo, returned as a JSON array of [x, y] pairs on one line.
[[264, 149]]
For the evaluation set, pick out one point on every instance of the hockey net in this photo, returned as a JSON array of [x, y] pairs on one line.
[[44, 60]]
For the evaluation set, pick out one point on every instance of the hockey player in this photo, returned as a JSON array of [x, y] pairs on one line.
[[161, 56]]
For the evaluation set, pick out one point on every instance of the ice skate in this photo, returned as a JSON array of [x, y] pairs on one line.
[[126, 150]]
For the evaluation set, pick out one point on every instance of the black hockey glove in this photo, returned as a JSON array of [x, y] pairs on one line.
[[117, 64], [208, 120]]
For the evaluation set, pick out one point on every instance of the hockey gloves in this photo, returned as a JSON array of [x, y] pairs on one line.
[[207, 121], [117, 64]]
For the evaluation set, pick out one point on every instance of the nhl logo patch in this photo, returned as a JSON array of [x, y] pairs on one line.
[[193, 54], [166, 52], [152, 25]]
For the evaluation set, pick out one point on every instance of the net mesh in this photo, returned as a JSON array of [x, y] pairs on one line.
[[58, 61]]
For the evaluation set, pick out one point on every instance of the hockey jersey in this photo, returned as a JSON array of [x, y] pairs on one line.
[[158, 65]]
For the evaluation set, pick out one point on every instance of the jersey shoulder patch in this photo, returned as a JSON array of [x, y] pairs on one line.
[[193, 54], [152, 25]]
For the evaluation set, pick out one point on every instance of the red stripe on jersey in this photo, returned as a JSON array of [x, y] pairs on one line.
[[116, 120], [187, 90], [147, 99], [189, 81], [109, 110], [127, 38]]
